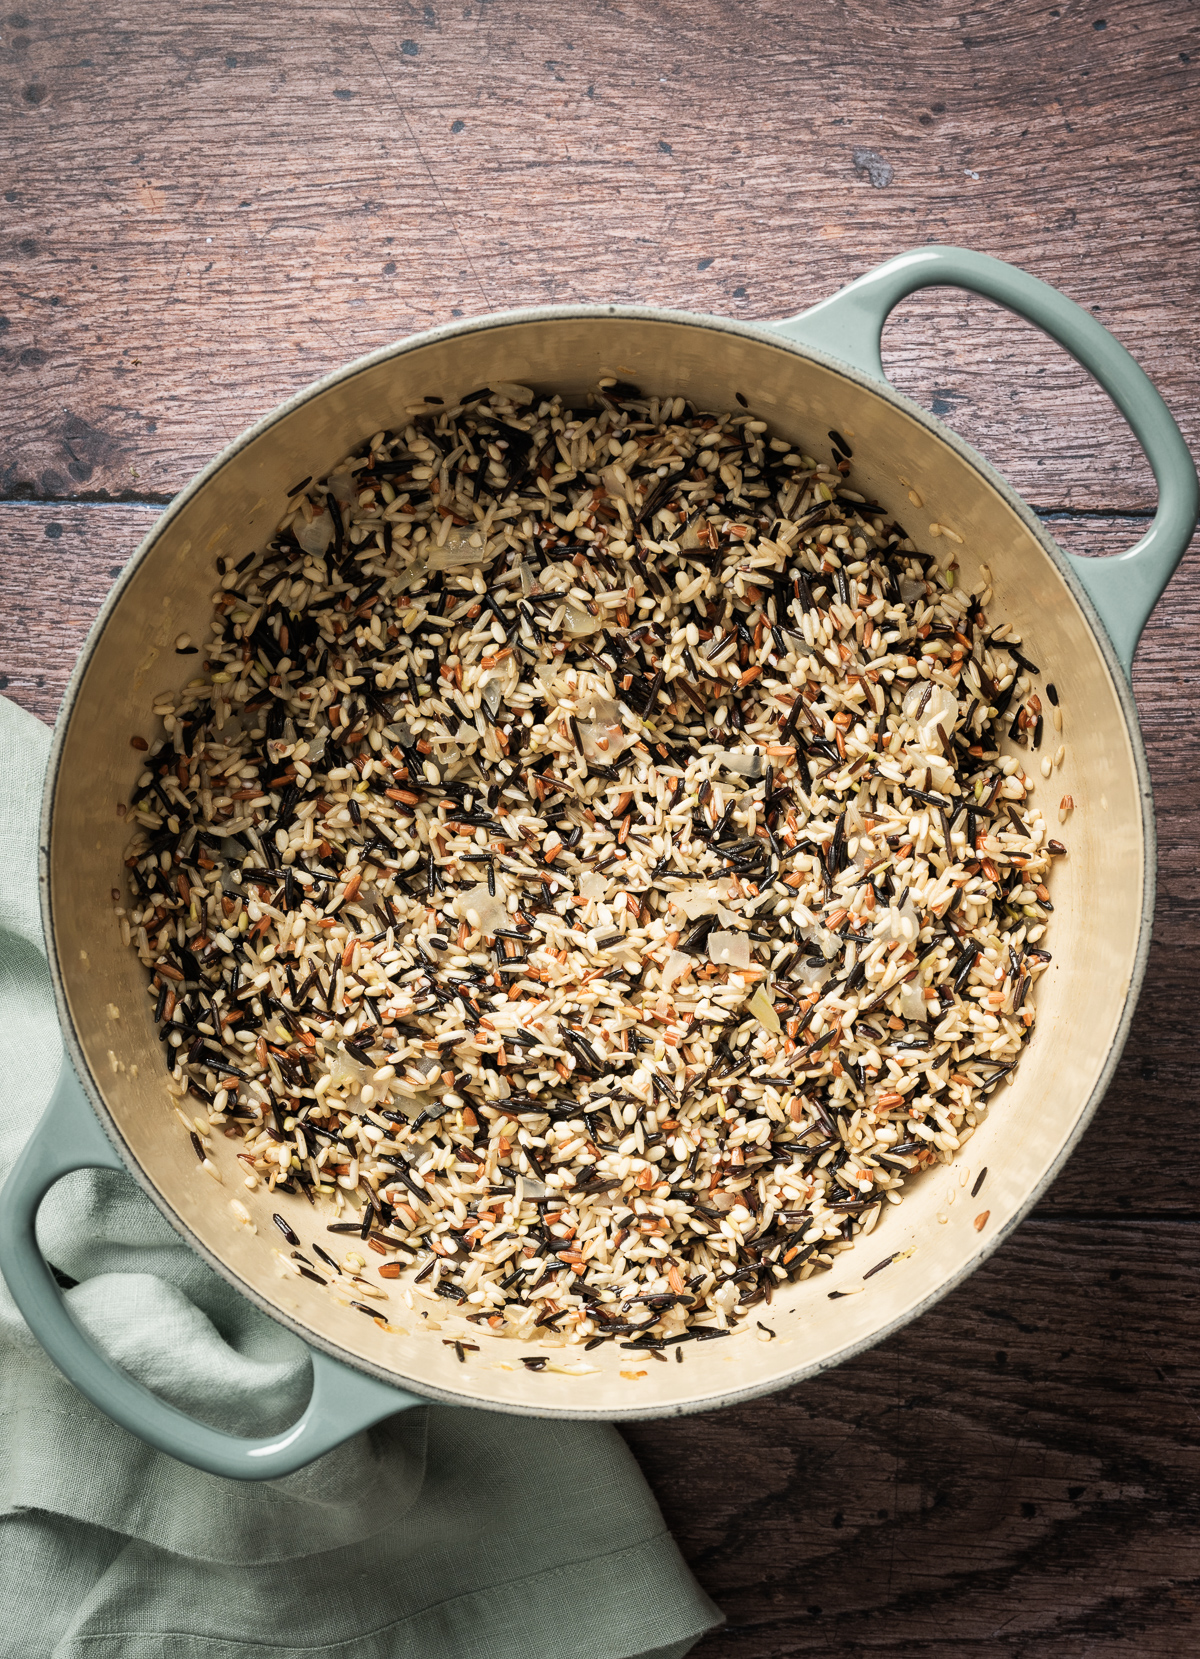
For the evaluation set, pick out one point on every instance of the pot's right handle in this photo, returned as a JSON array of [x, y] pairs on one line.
[[343, 1400], [1126, 587]]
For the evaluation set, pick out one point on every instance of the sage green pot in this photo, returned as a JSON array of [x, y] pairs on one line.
[[1080, 620]]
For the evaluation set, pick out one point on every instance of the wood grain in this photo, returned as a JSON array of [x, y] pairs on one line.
[[1015, 1474], [56, 567], [203, 207]]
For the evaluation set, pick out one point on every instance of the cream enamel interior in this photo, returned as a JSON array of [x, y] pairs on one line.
[[1097, 891]]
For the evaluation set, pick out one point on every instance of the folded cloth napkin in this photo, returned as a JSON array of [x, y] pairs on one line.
[[440, 1534]]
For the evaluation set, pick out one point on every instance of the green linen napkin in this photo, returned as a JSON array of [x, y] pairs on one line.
[[440, 1534]]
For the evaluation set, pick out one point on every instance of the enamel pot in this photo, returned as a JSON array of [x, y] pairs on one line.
[[1080, 620]]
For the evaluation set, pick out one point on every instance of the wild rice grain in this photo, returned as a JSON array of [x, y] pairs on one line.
[[587, 863]]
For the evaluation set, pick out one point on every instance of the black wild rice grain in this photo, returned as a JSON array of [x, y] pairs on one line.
[[749, 744]]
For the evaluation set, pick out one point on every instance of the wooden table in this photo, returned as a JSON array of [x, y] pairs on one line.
[[205, 207]]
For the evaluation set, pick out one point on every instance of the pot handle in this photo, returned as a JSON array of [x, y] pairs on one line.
[[343, 1400], [1124, 588]]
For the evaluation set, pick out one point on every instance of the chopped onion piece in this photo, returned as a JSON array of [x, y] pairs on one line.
[[704, 901], [317, 536], [688, 537], [730, 950], [941, 709], [763, 1009], [346, 1069], [491, 909], [457, 549], [912, 1002], [578, 622], [738, 760], [821, 940]]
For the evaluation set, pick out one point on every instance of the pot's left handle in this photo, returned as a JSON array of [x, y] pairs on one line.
[[343, 1400], [1124, 588]]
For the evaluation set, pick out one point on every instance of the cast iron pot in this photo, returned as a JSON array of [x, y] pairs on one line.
[[1080, 620]]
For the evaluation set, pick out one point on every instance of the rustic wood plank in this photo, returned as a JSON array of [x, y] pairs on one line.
[[201, 216], [201, 213], [56, 567], [1014, 1474], [1157, 1076]]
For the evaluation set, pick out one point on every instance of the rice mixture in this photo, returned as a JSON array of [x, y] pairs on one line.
[[585, 868]]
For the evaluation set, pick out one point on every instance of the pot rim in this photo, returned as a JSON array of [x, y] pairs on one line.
[[763, 334]]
